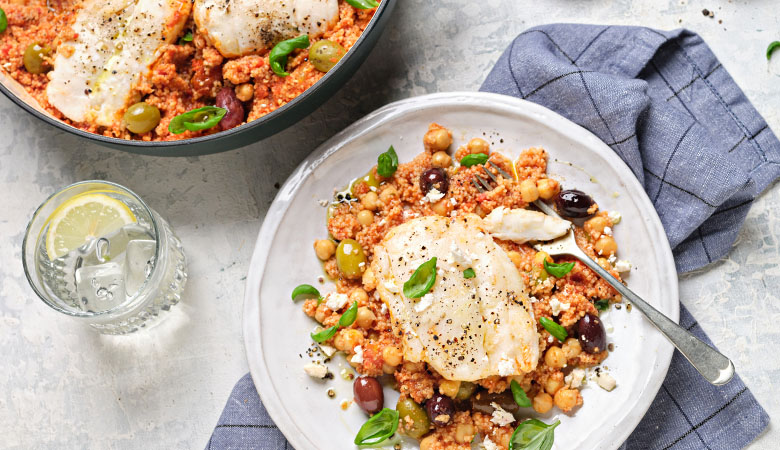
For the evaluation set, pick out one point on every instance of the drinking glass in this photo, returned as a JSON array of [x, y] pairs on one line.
[[118, 282]]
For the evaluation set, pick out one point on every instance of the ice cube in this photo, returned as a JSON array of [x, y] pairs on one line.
[[100, 287], [111, 246], [139, 261]]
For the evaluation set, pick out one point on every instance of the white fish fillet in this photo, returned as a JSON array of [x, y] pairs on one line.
[[523, 225], [466, 329], [239, 27], [96, 75]]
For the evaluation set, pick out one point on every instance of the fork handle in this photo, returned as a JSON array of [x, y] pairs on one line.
[[712, 364]]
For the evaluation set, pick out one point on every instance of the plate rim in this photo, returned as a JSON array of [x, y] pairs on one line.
[[279, 207]]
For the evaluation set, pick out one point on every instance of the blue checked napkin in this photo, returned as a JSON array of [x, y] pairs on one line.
[[663, 102]]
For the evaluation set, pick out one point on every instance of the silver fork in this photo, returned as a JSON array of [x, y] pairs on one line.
[[714, 366]]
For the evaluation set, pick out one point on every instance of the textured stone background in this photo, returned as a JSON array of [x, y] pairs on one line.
[[64, 386]]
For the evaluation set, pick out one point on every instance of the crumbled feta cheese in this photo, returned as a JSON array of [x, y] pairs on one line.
[[500, 416], [612, 258], [323, 202], [336, 301], [575, 379], [434, 195], [327, 350], [391, 286], [383, 310], [347, 248], [315, 370], [425, 302], [358, 356], [489, 445], [557, 306], [605, 381], [615, 217], [506, 367], [622, 265], [458, 257], [453, 202], [608, 231]]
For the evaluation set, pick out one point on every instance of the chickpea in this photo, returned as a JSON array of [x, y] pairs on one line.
[[347, 339], [414, 366], [547, 188], [464, 433], [605, 246], [388, 193], [359, 295], [478, 145], [595, 225], [555, 358], [571, 348], [542, 403], [529, 191], [365, 318], [441, 160], [370, 201], [437, 139], [566, 399], [442, 207], [554, 383], [245, 92], [388, 369], [392, 355], [369, 280], [428, 442], [516, 258], [324, 248], [449, 388], [540, 257], [365, 217], [321, 313]]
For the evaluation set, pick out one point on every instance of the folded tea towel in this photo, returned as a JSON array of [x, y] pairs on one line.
[[668, 108]]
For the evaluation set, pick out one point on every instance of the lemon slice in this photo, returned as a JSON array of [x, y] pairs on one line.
[[82, 218]]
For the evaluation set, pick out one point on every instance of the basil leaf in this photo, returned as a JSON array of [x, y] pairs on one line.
[[772, 46], [533, 434], [422, 280], [558, 270], [469, 273], [387, 163], [278, 56], [197, 119], [186, 38], [349, 315], [473, 158], [363, 4], [3, 20], [602, 305], [305, 290], [379, 427], [324, 335], [519, 395], [553, 328]]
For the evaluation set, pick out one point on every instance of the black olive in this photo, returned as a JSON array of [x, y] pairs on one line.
[[482, 402], [434, 178], [368, 394], [573, 203], [440, 409], [593, 338]]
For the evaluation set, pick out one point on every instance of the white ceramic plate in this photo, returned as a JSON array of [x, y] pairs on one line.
[[276, 331]]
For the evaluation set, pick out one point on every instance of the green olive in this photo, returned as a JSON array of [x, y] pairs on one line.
[[35, 58], [369, 179], [142, 118], [465, 391], [350, 258], [325, 54], [420, 423]]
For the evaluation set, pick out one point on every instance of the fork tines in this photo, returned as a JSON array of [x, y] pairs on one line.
[[483, 184]]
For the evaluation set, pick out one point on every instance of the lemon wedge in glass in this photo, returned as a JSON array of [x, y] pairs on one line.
[[83, 218]]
